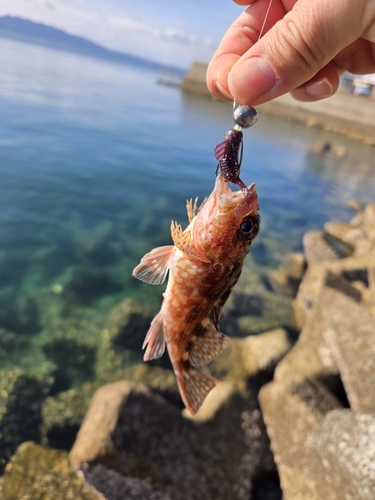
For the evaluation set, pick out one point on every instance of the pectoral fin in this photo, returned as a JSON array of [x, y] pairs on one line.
[[154, 340], [206, 345], [154, 266]]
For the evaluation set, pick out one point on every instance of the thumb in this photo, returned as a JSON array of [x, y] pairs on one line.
[[294, 51]]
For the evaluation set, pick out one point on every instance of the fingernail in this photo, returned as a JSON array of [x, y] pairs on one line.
[[320, 89], [223, 92], [251, 79]]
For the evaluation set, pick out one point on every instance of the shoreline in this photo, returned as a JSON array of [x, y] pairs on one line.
[[343, 113]]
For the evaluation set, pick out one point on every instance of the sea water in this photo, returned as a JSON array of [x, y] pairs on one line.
[[96, 158]]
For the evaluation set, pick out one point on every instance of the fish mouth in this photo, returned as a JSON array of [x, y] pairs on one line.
[[244, 201]]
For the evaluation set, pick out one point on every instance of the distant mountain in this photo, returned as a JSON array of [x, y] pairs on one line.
[[41, 34]]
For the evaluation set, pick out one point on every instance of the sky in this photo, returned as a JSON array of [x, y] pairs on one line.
[[174, 32]]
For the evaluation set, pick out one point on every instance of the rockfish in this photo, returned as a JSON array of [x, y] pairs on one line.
[[204, 264]]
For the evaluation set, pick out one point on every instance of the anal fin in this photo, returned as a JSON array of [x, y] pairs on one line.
[[206, 345], [194, 386], [154, 340]]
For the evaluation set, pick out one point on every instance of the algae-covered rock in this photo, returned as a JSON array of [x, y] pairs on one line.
[[38, 473], [21, 396], [62, 414], [72, 346], [128, 323]]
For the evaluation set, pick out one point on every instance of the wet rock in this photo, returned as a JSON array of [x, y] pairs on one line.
[[138, 434], [36, 472], [341, 453], [21, 396], [351, 338], [291, 411], [317, 249]]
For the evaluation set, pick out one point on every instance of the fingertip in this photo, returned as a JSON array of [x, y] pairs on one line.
[[323, 85]]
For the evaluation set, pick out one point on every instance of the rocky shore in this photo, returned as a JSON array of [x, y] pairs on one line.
[[294, 417]]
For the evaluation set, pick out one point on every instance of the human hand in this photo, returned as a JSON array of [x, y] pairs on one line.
[[306, 46]]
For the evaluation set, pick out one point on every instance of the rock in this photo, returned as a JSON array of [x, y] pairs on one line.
[[87, 284], [114, 486], [351, 337], [21, 397], [344, 234], [350, 269], [291, 411], [128, 324], [252, 314], [247, 356], [316, 248], [286, 279], [355, 205], [36, 473], [72, 346], [342, 456], [139, 435], [63, 414], [310, 358]]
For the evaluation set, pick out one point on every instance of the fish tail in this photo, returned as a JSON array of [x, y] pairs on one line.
[[194, 386]]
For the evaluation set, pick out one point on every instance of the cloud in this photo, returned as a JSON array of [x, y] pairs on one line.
[[169, 44]]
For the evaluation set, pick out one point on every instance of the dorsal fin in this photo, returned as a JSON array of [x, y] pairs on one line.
[[184, 242], [192, 207], [194, 386], [207, 344], [154, 340], [154, 266]]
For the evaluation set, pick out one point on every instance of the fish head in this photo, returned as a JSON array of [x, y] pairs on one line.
[[227, 223]]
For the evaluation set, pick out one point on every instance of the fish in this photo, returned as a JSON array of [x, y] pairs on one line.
[[204, 264]]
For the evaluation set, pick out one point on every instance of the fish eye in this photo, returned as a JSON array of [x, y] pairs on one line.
[[249, 228]]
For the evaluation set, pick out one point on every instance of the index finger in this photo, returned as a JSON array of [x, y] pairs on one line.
[[239, 38]]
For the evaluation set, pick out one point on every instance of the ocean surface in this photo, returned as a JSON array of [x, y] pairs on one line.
[[96, 158]]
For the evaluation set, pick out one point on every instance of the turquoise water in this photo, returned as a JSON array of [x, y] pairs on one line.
[[97, 158]]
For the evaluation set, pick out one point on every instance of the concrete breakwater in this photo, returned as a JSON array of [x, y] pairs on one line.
[[344, 113]]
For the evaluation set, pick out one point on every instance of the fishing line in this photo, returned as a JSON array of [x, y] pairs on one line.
[[247, 114]]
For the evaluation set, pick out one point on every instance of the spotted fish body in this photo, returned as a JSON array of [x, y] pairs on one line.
[[204, 264]]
